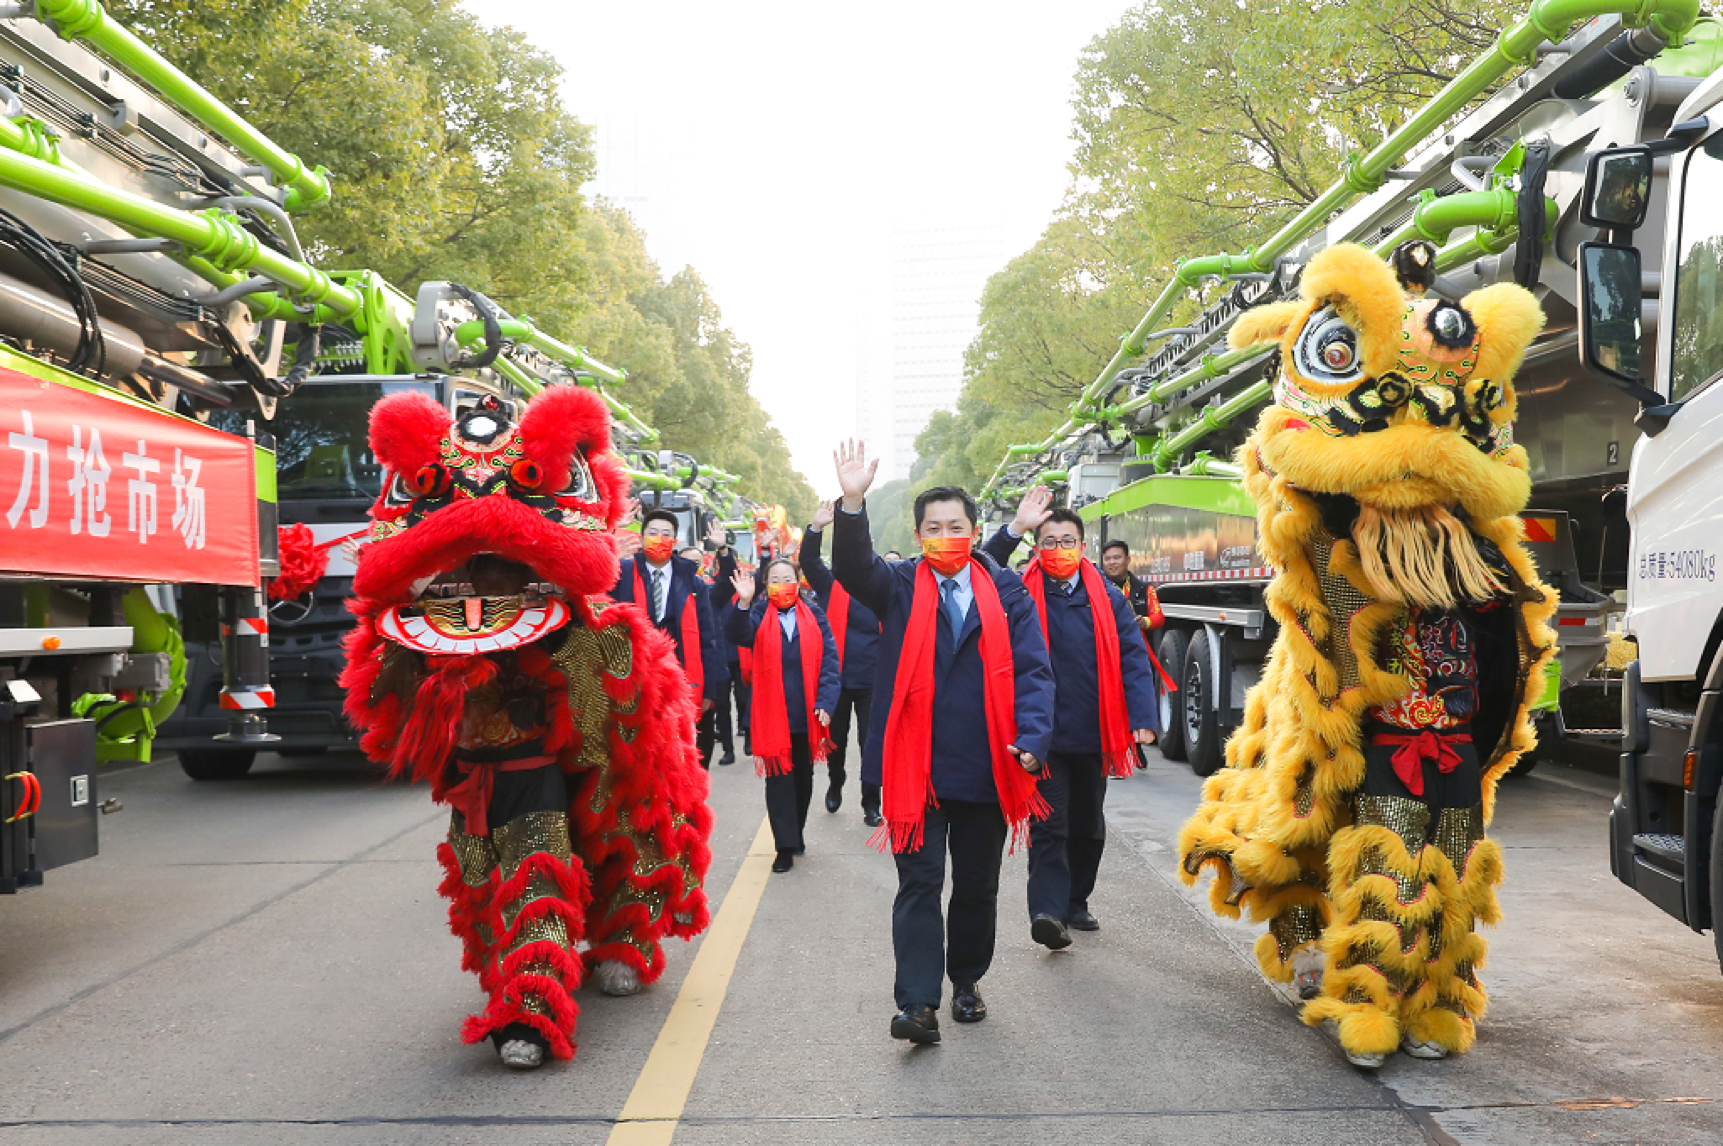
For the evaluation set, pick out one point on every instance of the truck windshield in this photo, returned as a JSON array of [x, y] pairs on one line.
[[321, 452], [1698, 356]]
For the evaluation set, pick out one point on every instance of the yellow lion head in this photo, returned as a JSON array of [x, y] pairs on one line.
[[1397, 401]]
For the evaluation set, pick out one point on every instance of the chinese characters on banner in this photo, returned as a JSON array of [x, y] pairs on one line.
[[93, 486]]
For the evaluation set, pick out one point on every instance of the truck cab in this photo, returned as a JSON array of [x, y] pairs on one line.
[[1658, 205]]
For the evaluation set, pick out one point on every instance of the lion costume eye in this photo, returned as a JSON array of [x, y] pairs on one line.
[[398, 492], [1327, 350], [580, 484]]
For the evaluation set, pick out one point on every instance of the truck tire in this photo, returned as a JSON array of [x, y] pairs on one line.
[[216, 763], [1197, 708], [1171, 652], [1717, 883]]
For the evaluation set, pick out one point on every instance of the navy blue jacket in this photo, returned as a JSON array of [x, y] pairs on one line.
[[723, 593], [861, 639], [740, 628], [962, 764], [685, 585], [1071, 647]]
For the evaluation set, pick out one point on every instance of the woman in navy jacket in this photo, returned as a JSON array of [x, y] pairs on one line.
[[789, 782]]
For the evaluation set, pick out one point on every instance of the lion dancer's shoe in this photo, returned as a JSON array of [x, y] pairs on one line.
[[539, 899], [1401, 952]]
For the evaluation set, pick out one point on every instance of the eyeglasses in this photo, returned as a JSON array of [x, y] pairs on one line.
[[1060, 543]]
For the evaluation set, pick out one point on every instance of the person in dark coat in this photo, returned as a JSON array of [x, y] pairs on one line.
[[784, 630], [723, 591], [858, 652], [1101, 713], [1145, 602], [955, 752], [668, 587]]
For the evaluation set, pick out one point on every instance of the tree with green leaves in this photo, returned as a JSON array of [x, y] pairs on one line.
[[1199, 125], [453, 158]]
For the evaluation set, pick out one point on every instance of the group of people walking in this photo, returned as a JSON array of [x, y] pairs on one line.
[[988, 707]]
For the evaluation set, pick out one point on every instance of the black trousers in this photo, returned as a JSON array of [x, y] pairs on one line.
[[859, 702], [788, 796], [714, 726], [928, 947], [1065, 848]]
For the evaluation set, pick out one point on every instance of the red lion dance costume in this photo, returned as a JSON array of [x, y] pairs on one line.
[[555, 722]]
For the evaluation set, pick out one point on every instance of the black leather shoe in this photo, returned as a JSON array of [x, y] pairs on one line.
[[872, 819], [834, 798], [1083, 921], [1049, 932], [727, 759], [919, 1024], [787, 860], [967, 1006]]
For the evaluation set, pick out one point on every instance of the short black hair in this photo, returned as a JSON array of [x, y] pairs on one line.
[[1069, 516], [945, 493], [891, 553], [1115, 544], [661, 515]]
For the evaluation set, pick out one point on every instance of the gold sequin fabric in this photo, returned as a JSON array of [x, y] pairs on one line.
[[1295, 927], [475, 855], [516, 841]]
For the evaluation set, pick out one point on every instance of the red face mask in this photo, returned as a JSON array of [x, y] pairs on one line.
[[1059, 564], [658, 548], [946, 554], [783, 594]]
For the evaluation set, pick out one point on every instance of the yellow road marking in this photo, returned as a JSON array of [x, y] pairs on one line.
[[654, 1107]]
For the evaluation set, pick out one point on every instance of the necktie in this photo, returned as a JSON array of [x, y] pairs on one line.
[[1068, 586], [658, 594], [953, 609]]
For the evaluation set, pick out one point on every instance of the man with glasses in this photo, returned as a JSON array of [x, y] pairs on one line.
[[1104, 707], [676, 600]]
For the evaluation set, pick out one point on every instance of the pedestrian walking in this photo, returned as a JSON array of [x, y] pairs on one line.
[[669, 589], [723, 591], [796, 686], [962, 730], [856, 630], [1104, 707]]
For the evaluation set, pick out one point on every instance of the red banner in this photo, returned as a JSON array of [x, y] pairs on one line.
[[100, 487]]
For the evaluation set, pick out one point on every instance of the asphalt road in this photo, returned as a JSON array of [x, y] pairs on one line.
[[265, 961]]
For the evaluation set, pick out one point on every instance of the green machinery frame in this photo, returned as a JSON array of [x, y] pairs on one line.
[[1491, 213]]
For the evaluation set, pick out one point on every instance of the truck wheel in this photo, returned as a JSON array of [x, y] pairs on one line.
[[1171, 651], [1197, 709], [216, 763], [1717, 883]]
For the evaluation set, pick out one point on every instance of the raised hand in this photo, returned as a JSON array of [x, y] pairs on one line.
[[630, 512], [627, 543], [716, 535], [824, 515], [855, 473], [1035, 508], [744, 583]]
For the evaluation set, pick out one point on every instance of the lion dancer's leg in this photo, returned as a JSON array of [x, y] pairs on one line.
[[537, 911], [640, 894], [469, 884], [1407, 881]]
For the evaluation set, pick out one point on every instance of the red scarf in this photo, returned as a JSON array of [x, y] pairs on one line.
[[839, 616], [909, 726], [1118, 747], [693, 664], [770, 727]]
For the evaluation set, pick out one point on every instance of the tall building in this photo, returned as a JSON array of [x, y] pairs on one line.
[[937, 275]]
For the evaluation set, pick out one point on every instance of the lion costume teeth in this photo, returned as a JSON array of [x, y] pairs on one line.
[[1413, 633]]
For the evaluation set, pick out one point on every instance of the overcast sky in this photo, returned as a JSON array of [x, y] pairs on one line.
[[775, 147]]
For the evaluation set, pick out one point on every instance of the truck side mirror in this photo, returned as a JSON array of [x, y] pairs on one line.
[[1610, 331], [1617, 188]]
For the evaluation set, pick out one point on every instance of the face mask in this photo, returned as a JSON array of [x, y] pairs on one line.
[[783, 594], [1061, 563], [658, 548], [946, 554]]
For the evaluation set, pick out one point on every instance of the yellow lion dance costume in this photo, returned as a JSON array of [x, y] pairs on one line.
[[1413, 634]]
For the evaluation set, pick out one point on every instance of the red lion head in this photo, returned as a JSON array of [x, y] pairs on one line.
[[482, 508]]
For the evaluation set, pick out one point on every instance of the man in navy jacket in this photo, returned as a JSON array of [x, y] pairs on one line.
[[1065, 849], [860, 654], [965, 817], [673, 584]]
